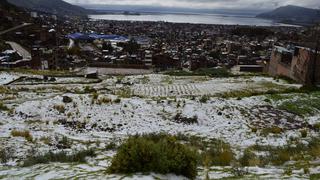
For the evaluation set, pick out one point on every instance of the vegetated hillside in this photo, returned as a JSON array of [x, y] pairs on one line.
[[58, 7], [10, 15], [293, 14]]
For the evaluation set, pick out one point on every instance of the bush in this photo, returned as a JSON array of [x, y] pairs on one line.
[[180, 119], [117, 101], [111, 146], [67, 99], [25, 133], [160, 154], [59, 157], [304, 133], [220, 154], [95, 96], [5, 155], [249, 159], [204, 99]]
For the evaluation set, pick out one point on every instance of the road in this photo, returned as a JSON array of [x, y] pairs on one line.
[[20, 50], [15, 28]]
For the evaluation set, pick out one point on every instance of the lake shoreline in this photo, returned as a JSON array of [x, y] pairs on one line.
[[191, 18]]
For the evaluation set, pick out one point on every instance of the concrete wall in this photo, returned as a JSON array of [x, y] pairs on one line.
[[301, 66]]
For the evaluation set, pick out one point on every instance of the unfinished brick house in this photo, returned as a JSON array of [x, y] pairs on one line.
[[299, 64]]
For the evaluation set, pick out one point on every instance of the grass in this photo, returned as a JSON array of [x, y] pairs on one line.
[[167, 80], [302, 104], [60, 108], [249, 158], [89, 90], [219, 153], [299, 152], [104, 100], [271, 130], [111, 146], [24, 133], [3, 107], [145, 80], [124, 93], [211, 72], [40, 72], [6, 90], [302, 107], [159, 154], [314, 176], [63, 157]]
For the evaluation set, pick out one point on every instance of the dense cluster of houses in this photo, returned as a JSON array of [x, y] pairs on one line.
[[68, 43]]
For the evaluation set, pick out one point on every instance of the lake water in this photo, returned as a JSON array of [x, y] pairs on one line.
[[224, 19]]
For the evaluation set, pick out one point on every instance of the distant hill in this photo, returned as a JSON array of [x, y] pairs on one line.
[[293, 14], [5, 6], [11, 15], [57, 7]]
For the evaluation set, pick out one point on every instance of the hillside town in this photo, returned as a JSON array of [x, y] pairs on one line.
[[48, 43]]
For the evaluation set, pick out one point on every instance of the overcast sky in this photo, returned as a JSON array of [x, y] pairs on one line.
[[207, 4]]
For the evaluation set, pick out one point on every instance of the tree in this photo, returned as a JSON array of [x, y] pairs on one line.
[[131, 47]]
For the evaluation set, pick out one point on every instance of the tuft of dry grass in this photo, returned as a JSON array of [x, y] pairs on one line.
[[22, 133], [60, 108]]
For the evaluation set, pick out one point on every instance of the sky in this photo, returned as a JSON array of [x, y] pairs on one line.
[[206, 4]]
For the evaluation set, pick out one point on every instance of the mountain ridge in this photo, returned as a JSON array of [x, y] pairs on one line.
[[294, 14], [57, 7]]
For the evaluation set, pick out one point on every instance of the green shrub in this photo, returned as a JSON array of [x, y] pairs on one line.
[[3, 107], [67, 99], [63, 157], [159, 154], [88, 89], [95, 96], [124, 93], [5, 155], [111, 146], [204, 99], [304, 133], [316, 127], [315, 176], [181, 119], [117, 101]]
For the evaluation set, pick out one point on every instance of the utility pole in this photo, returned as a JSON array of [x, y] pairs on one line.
[[316, 31], [315, 54]]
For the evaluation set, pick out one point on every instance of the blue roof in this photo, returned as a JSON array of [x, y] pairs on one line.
[[81, 36]]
